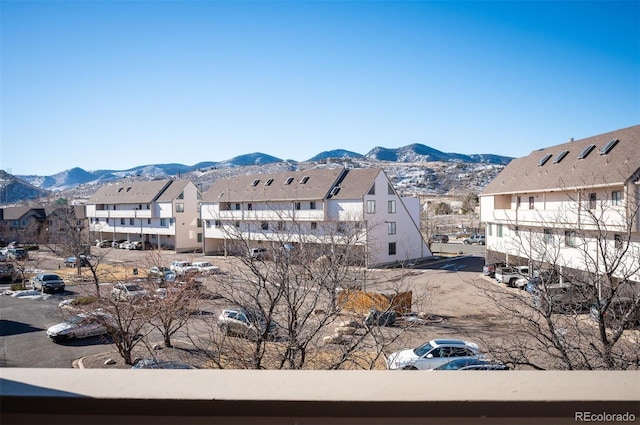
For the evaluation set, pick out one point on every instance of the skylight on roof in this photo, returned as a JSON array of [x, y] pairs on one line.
[[304, 179], [255, 182], [335, 191], [544, 159], [289, 180], [268, 182], [560, 157], [586, 151], [607, 148]]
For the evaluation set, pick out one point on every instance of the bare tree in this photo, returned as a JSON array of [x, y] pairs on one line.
[[300, 283]]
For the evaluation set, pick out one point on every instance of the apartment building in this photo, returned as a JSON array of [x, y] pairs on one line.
[[574, 205], [308, 206], [163, 213]]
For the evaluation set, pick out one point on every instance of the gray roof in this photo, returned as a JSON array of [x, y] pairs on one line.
[[130, 193], [19, 212], [353, 185], [172, 192], [614, 168]]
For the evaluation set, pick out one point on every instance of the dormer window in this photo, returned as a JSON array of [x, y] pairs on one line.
[[268, 182], [607, 148], [560, 157], [221, 195], [129, 188], [334, 191], [255, 182], [304, 179], [289, 180], [544, 159], [120, 189]]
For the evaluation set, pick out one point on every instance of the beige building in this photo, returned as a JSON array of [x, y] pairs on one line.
[[307, 205], [163, 213], [574, 205]]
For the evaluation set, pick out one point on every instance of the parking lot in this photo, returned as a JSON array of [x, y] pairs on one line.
[[450, 290]]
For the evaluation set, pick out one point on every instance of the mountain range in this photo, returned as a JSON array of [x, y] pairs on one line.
[[34, 186]]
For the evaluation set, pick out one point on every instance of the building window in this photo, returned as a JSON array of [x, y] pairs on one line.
[[199, 237], [532, 202], [518, 202], [312, 205], [516, 230], [314, 225], [391, 227], [570, 238], [237, 224], [122, 221], [148, 221], [548, 237], [264, 225], [592, 201], [131, 222], [281, 225], [617, 238], [163, 222], [372, 190], [250, 207], [217, 224], [298, 205], [371, 207], [237, 207], [179, 207], [392, 248], [390, 189], [499, 230], [391, 207], [616, 197], [181, 196]]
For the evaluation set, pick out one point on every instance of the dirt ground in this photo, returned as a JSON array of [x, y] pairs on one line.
[[453, 297]]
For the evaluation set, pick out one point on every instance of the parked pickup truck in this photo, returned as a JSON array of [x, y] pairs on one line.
[[509, 275]]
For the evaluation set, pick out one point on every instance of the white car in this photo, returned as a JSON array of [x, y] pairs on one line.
[[432, 354], [127, 292], [181, 267], [83, 325], [205, 267]]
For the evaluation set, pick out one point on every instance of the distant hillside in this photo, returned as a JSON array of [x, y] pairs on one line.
[[14, 189], [416, 152], [421, 153], [337, 153]]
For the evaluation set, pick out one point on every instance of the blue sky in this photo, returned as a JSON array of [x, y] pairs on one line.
[[115, 84]]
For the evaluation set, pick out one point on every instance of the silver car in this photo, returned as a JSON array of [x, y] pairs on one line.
[[83, 325]]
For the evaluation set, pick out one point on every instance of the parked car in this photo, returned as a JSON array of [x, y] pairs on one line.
[[509, 275], [205, 267], [47, 282], [490, 268], [182, 267], [159, 272], [8, 273], [72, 261], [103, 244], [245, 323], [433, 354], [17, 254], [258, 253], [475, 239], [439, 238], [561, 297], [117, 243], [3, 256], [466, 363], [616, 312], [127, 292], [83, 325], [539, 276], [124, 245]]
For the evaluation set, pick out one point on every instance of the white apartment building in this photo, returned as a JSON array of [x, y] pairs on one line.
[[304, 204], [574, 205], [161, 212]]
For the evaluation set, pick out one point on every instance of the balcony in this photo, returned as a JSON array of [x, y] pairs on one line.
[[123, 214]]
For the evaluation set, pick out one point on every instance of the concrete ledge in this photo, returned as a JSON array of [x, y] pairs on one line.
[[233, 396]]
